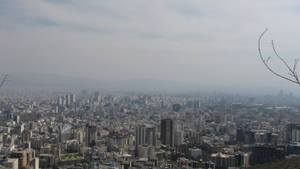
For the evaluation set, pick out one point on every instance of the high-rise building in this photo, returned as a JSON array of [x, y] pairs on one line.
[[167, 132], [240, 135], [90, 134], [140, 135], [26, 135], [293, 132], [145, 141], [68, 99], [59, 100], [178, 138], [145, 135], [72, 98], [151, 136]]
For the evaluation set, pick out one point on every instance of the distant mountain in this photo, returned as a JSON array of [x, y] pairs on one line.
[[59, 81], [152, 85], [43, 80], [48, 80]]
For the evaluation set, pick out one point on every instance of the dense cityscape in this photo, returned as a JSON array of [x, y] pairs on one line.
[[149, 84], [119, 130]]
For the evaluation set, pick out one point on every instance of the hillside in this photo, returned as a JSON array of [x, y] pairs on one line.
[[293, 163]]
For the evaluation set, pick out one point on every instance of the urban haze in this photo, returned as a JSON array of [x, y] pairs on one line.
[[112, 84]]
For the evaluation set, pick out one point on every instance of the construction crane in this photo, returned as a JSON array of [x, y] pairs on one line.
[[3, 80]]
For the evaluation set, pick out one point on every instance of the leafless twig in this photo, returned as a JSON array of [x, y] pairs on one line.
[[3, 80], [291, 69]]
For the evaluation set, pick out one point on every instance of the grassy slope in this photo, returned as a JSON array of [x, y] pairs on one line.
[[293, 163]]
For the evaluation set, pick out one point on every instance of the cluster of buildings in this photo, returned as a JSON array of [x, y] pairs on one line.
[[133, 131]]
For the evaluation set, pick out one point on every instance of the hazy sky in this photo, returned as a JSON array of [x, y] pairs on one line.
[[192, 41]]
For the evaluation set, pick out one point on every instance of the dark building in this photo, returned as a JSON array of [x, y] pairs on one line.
[[245, 136], [264, 154], [167, 132], [90, 134], [240, 135], [249, 137]]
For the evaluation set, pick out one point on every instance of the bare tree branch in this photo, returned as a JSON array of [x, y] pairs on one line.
[[3, 80], [280, 58], [267, 60], [292, 71], [295, 64]]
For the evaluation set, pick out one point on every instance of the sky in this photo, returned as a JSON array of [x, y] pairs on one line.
[[209, 42]]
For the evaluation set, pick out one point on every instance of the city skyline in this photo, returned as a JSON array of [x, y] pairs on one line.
[[159, 84]]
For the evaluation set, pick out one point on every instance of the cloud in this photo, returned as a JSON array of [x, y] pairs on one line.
[[207, 41]]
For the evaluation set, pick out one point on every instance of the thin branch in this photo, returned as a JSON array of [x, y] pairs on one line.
[[267, 60], [3, 80], [291, 74], [280, 58], [292, 70], [294, 75], [295, 64]]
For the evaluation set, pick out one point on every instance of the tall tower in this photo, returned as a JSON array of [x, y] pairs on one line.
[[90, 134], [140, 135], [145, 135], [72, 98], [167, 132], [68, 99], [59, 100], [151, 136]]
